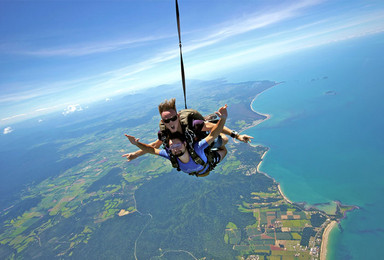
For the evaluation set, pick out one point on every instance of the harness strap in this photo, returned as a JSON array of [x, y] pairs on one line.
[[198, 172], [210, 162], [181, 54]]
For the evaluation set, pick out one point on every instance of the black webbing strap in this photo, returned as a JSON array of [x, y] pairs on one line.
[[181, 54]]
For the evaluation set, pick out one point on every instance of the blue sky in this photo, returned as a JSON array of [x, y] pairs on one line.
[[58, 54]]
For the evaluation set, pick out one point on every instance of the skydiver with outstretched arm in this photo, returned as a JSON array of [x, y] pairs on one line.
[[172, 123], [178, 147]]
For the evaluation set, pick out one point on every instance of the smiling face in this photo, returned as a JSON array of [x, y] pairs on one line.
[[177, 147], [171, 120]]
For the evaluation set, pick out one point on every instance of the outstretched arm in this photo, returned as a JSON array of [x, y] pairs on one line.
[[144, 147], [138, 153], [218, 127], [208, 126]]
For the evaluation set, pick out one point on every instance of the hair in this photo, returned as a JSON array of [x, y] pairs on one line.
[[177, 135], [167, 105]]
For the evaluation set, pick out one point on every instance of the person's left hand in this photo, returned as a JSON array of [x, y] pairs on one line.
[[222, 113], [132, 139]]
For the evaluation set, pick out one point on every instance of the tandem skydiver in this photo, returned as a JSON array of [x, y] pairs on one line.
[[188, 122], [177, 149]]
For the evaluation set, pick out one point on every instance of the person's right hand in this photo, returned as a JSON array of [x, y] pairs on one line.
[[130, 156], [245, 138]]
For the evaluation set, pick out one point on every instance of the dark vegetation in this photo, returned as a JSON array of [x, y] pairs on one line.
[[317, 219], [307, 233]]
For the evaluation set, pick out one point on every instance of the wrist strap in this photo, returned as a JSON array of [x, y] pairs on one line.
[[234, 134]]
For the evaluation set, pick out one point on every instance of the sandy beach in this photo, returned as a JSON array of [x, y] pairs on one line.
[[255, 123], [258, 166], [268, 116], [324, 243], [282, 194]]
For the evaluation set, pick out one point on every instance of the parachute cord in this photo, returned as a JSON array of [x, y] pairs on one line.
[[181, 54]]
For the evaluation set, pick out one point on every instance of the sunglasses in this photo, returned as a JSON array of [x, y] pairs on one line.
[[174, 118], [175, 146]]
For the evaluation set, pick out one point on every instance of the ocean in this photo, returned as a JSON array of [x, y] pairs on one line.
[[326, 135]]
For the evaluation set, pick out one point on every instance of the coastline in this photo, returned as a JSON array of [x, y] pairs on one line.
[[258, 166], [278, 184], [331, 225], [325, 237], [282, 194], [267, 116]]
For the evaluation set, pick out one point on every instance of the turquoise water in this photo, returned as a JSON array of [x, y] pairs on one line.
[[326, 135]]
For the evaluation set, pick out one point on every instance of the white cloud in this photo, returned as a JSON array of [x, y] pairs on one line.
[[72, 109], [38, 90], [12, 117], [93, 47], [333, 29], [250, 22], [214, 36], [7, 130], [47, 108]]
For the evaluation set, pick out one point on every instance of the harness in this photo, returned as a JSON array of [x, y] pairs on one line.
[[207, 166], [187, 116]]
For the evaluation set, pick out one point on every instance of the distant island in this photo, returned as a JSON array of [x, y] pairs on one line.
[[94, 205]]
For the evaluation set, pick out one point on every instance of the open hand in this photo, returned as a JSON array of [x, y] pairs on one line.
[[132, 139], [222, 113]]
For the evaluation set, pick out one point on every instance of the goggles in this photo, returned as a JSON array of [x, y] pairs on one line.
[[175, 146], [174, 118]]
